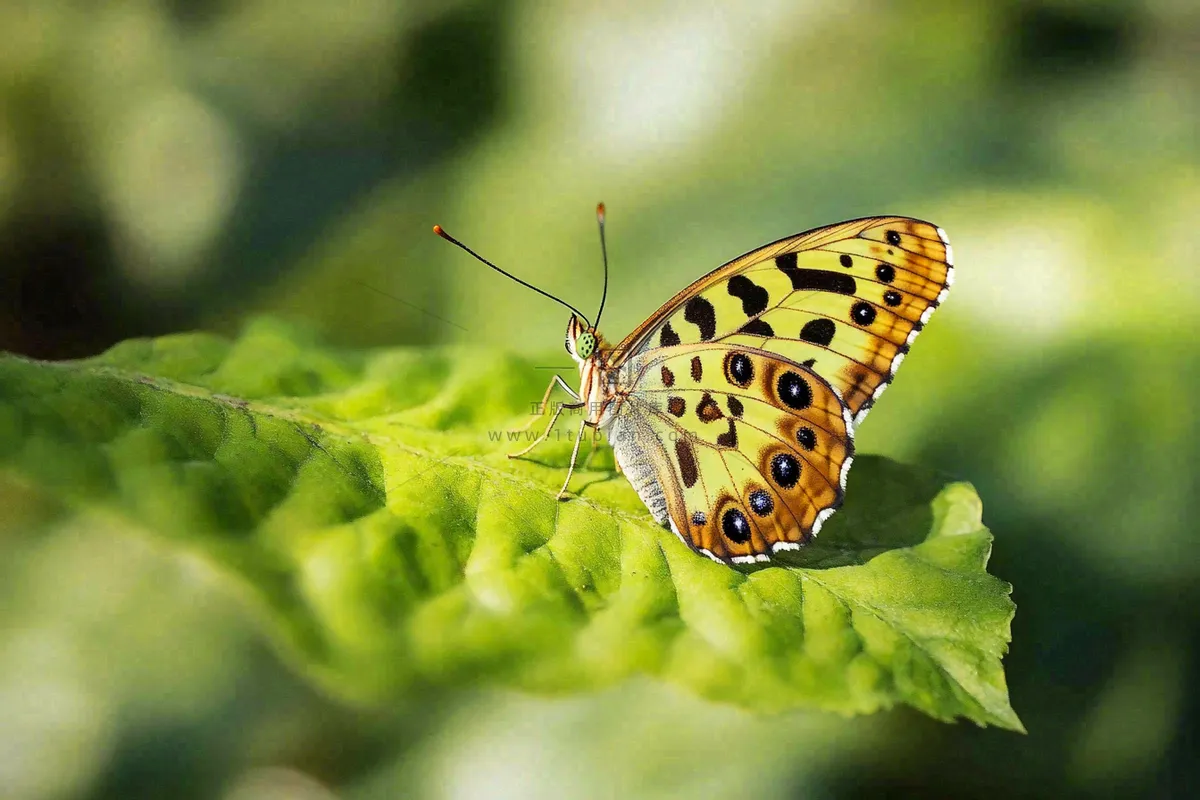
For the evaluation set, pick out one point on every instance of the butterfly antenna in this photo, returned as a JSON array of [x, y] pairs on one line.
[[438, 230], [604, 255]]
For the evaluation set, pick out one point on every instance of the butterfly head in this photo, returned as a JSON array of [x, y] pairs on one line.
[[581, 340]]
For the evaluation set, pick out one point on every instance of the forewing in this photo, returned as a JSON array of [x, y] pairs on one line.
[[846, 300]]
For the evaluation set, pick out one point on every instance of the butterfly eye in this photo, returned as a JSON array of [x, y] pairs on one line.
[[585, 344]]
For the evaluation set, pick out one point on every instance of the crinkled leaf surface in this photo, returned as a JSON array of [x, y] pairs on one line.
[[365, 501]]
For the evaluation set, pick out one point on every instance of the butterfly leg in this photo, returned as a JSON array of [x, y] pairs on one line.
[[587, 462], [546, 433], [562, 493], [555, 381]]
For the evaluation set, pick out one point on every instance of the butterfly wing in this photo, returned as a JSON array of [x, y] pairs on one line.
[[742, 452], [846, 300]]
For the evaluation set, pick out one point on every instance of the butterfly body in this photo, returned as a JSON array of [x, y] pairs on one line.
[[636, 446], [732, 409]]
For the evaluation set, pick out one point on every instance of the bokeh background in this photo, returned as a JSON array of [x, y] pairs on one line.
[[179, 164]]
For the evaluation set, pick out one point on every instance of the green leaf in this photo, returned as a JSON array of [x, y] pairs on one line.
[[365, 501]]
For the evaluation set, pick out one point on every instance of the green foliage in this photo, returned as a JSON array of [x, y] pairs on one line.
[[365, 501]]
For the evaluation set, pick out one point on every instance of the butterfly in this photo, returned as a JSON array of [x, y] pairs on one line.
[[732, 409]]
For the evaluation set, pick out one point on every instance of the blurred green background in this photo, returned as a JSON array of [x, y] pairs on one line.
[[170, 165]]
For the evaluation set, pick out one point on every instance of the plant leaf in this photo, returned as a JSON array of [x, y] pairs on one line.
[[365, 501]]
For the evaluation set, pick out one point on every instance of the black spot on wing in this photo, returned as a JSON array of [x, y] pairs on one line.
[[794, 391], [806, 437], [785, 470], [668, 337], [687, 462], [818, 331], [757, 327], [821, 280], [739, 369], [863, 313], [761, 502], [735, 405], [735, 527], [701, 313], [729, 438], [697, 368], [754, 297]]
